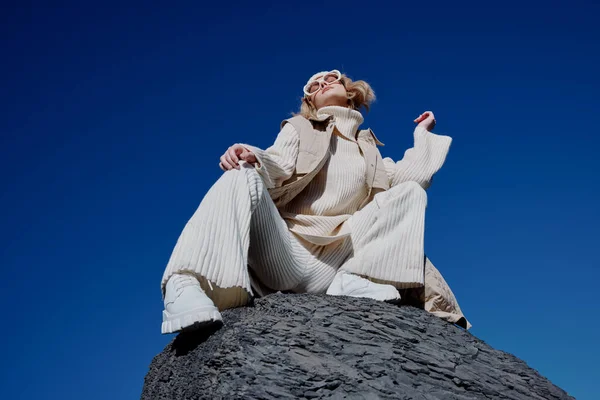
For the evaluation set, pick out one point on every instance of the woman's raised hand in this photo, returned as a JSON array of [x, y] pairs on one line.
[[233, 155], [426, 120]]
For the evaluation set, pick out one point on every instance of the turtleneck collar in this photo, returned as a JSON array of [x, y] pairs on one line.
[[347, 120]]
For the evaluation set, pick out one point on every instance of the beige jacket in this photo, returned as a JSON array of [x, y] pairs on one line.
[[436, 296], [313, 150]]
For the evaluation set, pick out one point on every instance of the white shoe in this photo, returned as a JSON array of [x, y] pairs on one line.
[[187, 306], [347, 284]]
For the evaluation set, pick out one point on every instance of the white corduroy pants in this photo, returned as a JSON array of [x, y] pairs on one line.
[[237, 227]]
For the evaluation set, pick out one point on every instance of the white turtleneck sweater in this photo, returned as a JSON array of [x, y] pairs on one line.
[[320, 211]]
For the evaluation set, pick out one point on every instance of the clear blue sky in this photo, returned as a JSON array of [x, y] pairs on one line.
[[113, 120]]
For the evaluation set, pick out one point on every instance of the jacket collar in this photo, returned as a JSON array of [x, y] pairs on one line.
[[368, 134], [364, 134], [321, 118]]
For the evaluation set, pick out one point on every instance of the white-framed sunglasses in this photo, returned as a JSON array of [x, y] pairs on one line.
[[315, 85]]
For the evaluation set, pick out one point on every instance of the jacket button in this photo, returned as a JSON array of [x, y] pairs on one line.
[[372, 165]]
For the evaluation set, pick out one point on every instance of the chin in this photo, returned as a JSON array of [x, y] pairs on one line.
[[335, 100]]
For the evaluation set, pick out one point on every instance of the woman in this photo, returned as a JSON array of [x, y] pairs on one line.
[[320, 211]]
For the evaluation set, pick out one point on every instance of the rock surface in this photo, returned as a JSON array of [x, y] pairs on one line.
[[316, 346]]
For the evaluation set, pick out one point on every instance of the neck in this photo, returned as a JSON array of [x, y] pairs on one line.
[[347, 120]]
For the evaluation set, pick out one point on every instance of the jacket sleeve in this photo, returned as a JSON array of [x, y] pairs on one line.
[[420, 162], [277, 163]]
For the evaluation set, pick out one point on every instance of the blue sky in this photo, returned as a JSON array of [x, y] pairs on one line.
[[113, 119]]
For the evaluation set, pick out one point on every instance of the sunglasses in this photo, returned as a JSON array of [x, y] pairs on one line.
[[315, 85]]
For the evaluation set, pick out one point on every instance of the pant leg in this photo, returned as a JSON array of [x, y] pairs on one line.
[[388, 237], [276, 256], [322, 264], [215, 243]]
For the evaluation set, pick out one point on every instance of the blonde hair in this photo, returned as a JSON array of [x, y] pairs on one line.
[[360, 94]]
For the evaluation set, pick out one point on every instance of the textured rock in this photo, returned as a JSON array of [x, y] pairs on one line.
[[308, 346]]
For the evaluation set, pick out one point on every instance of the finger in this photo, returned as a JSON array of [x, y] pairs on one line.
[[229, 160], [247, 155], [225, 163], [222, 167], [232, 153], [234, 164], [250, 157]]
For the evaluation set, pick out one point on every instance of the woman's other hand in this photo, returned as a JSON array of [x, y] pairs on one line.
[[426, 120], [231, 158]]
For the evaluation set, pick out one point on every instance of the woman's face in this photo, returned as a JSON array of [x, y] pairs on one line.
[[333, 94]]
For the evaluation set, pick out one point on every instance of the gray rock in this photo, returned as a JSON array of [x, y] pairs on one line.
[[317, 346]]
